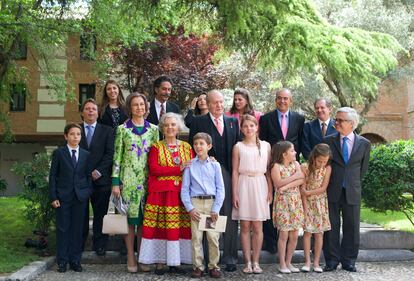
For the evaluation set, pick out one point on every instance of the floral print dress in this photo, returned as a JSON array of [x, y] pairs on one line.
[[317, 214], [130, 167], [287, 205]]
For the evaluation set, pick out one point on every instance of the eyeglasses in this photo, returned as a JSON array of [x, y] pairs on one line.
[[338, 120]]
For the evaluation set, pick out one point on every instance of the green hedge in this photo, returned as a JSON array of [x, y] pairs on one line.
[[389, 182]]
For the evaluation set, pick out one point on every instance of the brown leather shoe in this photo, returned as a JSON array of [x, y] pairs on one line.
[[215, 273], [197, 273]]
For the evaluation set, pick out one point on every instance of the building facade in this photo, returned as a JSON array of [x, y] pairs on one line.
[[36, 115]]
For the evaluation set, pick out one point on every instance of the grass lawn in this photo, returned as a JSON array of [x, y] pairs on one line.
[[14, 230], [389, 220]]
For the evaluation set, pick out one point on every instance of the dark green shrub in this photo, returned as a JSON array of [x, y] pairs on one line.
[[389, 182], [36, 191], [3, 185]]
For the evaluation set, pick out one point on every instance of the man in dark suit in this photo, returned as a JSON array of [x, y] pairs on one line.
[[160, 104], [224, 132], [350, 156], [280, 124], [314, 131], [69, 190], [98, 139]]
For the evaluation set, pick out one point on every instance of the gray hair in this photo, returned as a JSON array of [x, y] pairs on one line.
[[328, 102], [212, 92], [177, 117], [278, 92], [352, 115]]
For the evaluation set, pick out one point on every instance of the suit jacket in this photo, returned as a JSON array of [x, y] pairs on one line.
[[152, 116], [271, 132], [350, 174], [67, 181], [312, 135], [106, 118], [203, 123], [101, 152]]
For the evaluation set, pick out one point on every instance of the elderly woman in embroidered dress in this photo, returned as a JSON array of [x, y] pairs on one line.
[[166, 237], [133, 141]]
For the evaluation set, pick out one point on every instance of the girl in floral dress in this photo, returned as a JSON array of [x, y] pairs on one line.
[[315, 203], [288, 215], [133, 141]]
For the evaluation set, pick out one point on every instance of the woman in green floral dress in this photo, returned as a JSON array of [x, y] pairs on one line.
[[133, 141]]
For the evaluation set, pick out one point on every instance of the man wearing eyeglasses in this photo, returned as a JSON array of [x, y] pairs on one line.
[[314, 131], [350, 156]]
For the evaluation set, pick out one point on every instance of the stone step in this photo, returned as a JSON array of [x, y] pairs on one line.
[[374, 255], [371, 237]]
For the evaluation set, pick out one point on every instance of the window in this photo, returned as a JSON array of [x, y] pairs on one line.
[[86, 91], [21, 51], [18, 97], [87, 46]]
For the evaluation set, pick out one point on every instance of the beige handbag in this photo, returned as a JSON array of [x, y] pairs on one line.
[[114, 223]]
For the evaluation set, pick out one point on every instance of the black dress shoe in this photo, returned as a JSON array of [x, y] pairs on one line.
[[159, 270], [329, 267], [100, 252], [177, 270], [350, 268], [231, 267], [61, 267], [76, 266]]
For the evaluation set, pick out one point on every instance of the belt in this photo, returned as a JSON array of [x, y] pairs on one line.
[[204, 197], [251, 175]]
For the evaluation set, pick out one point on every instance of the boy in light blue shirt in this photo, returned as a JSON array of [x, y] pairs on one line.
[[202, 192]]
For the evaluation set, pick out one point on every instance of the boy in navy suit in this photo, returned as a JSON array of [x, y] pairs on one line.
[[70, 186]]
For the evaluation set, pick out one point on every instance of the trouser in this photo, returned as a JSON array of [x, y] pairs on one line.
[[69, 227], [204, 207], [345, 251]]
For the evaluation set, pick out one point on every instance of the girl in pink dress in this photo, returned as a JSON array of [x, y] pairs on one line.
[[315, 203], [252, 191], [288, 216]]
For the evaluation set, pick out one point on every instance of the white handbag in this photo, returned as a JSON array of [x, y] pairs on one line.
[[114, 223]]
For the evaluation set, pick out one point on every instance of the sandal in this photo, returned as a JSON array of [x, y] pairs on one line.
[[256, 268], [248, 268]]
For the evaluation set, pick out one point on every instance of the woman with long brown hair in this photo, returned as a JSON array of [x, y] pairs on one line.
[[112, 107]]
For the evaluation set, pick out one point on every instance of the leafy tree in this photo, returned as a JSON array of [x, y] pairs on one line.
[[187, 59], [389, 182]]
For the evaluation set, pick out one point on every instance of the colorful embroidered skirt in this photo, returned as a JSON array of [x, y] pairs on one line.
[[166, 236]]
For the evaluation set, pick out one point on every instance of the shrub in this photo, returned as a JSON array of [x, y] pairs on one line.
[[389, 182], [3, 185], [36, 191]]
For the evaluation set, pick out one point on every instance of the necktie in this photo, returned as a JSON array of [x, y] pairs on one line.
[[74, 157], [284, 126], [218, 126], [323, 129], [89, 135], [162, 111], [345, 150]]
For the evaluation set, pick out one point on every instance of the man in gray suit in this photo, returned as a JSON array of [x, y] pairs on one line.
[[350, 156]]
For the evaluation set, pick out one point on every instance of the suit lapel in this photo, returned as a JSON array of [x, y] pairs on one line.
[[337, 145], [277, 128], [67, 155], [95, 134], [331, 129], [355, 147], [317, 128], [153, 111]]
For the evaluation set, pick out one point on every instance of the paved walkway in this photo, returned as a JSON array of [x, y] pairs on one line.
[[401, 271]]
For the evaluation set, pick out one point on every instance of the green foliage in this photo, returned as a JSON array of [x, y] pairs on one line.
[[36, 191], [3, 185], [389, 182]]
